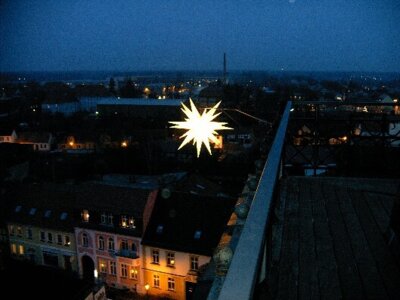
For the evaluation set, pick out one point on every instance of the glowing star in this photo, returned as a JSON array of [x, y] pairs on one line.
[[200, 128]]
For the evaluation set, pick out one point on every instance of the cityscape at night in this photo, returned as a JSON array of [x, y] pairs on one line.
[[207, 150]]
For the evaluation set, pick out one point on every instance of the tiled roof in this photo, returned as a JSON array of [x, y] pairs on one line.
[[187, 222]]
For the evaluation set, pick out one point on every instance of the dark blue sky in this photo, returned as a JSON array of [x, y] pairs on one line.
[[133, 35]]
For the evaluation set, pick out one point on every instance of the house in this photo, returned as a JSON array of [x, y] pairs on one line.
[[40, 141], [110, 224], [40, 225], [75, 144], [187, 222], [8, 136]]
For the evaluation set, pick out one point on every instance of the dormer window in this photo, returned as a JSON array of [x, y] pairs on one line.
[[110, 219], [85, 215], [32, 211], [63, 216], [160, 229], [47, 213], [124, 221], [197, 234], [103, 218], [131, 222], [18, 208]]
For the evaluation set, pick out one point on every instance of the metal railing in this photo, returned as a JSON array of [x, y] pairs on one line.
[[243, 273]]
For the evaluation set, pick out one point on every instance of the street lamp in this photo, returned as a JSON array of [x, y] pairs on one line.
[[147, 287]]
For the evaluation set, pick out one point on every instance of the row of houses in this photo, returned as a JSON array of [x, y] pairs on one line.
[[151, 241]]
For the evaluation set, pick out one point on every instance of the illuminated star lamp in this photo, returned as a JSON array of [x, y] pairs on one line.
[[200, 128]]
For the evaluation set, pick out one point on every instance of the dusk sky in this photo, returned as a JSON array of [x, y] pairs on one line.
[[133, 35]]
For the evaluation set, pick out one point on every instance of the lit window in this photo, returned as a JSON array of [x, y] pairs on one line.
[[32, 211], [197, 234], [85, 240], [156, 257], [67, 240], [47, 213], [102, 266], [49, 237], [113, 268], [131, 222], [160, 229], [101, 243], [133, 273], [85, 215], [21, 250], [59, 239], [42, 236], [171, 284], [110, 244], [156, 281], [13, 248], [194, 263], [170, 259], [124, 221], [18, 208], [124, 270], [63, 216]]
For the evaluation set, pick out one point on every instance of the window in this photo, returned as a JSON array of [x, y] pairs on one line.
[[42, 236], [29, 233], [110, 244], [133, 273], [101, 243], [124, 245], [171, 284], [11, 230], [197, 234], [85, 215], [156, 257], [49, 237], [103, 218], [47, 213], [113, 268], [32, 211], [67, 240], [124, 270], [160, 229], [59, 239], [85, 240], [131, 222], [21, 250], [156, 281], [18, 208], [13, 248], [170, 259], [102, 266], [134, 248], [124, 221], [63, 216], [110, 219], [194, 263], [19, 231]]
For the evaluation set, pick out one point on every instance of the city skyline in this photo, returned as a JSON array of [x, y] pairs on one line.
[[294, 35]]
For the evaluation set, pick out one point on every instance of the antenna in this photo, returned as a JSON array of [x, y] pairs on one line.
[[225, 77]]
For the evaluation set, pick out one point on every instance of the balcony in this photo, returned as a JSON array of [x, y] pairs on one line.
[[127, 253], [311, 236]]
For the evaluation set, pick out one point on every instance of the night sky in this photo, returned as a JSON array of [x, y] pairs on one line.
[[133, 35]]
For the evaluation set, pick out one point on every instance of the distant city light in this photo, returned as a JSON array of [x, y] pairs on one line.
[[200, 128]]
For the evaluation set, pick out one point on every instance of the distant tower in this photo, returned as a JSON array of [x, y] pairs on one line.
[[225, 79]]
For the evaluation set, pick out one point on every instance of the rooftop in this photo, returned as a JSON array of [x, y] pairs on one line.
[[329, 240], [139, 102]]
